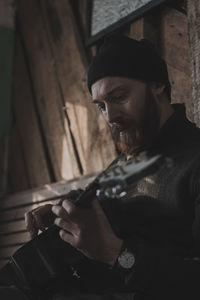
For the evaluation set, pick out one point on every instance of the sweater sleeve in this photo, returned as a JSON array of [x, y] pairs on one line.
[[158, 267], [157, 272]]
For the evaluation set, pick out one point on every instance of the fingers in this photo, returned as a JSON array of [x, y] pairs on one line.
[[66, 211], [67, 237], [64, 217], [97, 208], [69, 206], [38, 219], [30, 224], [67, 221], [66, 225], [59, 211]]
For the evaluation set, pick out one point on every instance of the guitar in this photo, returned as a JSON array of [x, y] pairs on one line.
[[43, 259]]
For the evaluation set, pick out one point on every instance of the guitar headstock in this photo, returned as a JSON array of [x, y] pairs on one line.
[[115, 182]]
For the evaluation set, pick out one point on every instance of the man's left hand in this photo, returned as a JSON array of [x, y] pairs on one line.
[[88, 230]]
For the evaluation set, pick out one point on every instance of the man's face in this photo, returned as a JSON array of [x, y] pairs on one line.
[[130, 109]]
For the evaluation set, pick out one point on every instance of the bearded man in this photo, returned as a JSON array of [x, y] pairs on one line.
[[147, 243]]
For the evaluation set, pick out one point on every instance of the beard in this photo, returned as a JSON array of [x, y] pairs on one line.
[[138, 134]]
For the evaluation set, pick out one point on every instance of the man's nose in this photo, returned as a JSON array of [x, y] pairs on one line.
[[112, 114]]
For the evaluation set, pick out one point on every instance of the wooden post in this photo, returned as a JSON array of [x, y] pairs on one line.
[[193, 8]]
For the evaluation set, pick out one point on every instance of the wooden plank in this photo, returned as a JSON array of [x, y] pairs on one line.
[[8, 251], [4, 145], [174, 39], [82, 9], [17, 173], [45, 193], [18, 213], [3, 262], [146, 28], [193, 10], [26, 119], [168, 32], [70, 60], [47, 91], [14, 239], [12, 227], [7, 13], [137, 29], [174, 48], [181, 88]]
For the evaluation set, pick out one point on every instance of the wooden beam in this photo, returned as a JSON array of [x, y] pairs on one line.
[[193, 11]]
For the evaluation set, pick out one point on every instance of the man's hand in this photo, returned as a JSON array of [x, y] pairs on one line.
[[39, 219], [88, 230]]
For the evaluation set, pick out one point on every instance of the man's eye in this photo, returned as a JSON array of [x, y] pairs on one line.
[[101, 106]]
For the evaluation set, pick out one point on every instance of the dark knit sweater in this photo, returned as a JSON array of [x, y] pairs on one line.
[[160, 216], [159, 220]]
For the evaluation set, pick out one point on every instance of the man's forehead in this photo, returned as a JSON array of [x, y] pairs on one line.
[[108, 85]]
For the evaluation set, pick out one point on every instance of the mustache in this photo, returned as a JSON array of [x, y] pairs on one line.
[[121, 125], [130, 139]]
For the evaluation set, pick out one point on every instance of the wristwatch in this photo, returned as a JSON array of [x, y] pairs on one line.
[[126, 259]]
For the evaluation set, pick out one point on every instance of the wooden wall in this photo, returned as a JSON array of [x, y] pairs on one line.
[[167, 28]]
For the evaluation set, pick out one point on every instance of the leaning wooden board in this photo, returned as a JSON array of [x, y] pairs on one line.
[[47, 91], [27, 122]]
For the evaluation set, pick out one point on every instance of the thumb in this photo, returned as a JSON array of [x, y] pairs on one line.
[[97, 207]]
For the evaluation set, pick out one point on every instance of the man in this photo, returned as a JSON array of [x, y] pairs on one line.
[[147, 243]]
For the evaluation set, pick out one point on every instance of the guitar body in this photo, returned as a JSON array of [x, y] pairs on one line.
[[44, 258]]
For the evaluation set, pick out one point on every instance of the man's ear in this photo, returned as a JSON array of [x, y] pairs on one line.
[[157, 88]]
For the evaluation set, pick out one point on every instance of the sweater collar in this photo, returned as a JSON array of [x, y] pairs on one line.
[[175, 120], [172, 132]]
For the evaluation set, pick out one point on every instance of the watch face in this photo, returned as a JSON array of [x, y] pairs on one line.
[[126, 260]]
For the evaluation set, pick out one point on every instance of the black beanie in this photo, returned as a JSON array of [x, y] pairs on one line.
[[125, 57]]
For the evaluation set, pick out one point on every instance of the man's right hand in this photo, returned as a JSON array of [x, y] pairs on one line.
[[39, 219]]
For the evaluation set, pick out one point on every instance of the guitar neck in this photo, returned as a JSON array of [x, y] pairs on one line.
[[87, 196]]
